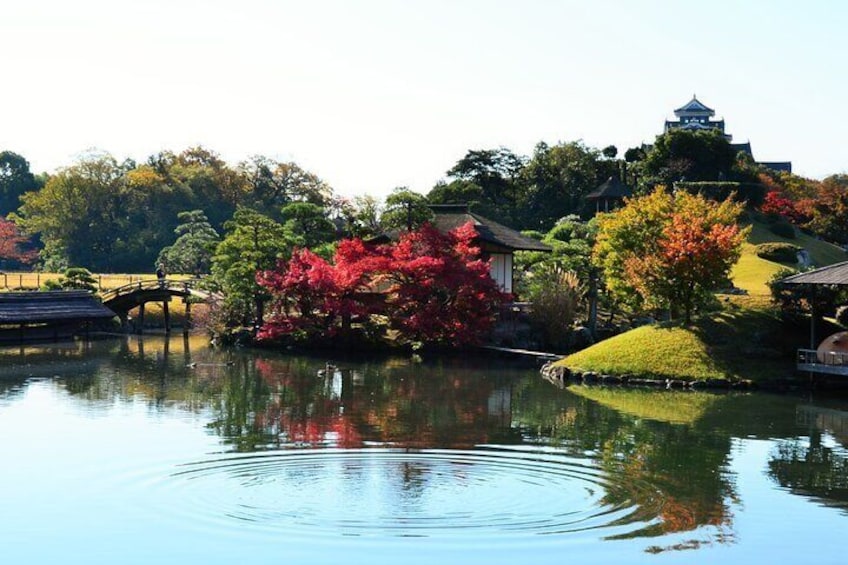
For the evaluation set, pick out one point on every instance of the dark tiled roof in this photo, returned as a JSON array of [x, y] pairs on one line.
[[694, 105], [777, 165], [451, 216], [612, 188], [834, 274], [52, 306], [745, 147]]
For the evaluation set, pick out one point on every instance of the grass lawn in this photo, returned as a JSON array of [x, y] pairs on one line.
[[745, 340]]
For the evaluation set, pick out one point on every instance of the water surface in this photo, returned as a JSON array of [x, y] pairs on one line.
[[145, 450]]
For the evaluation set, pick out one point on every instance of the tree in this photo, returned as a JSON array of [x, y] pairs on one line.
[[558, 179], [437, 289], [493, 170], [74, 278], [404, 210], [15, 249], [79, 214], [828, 212], [274, 184], [252, 243], [669, 251], [441, 291], [195, 244], [309, 222], [680, 154], [15, 180], [316, 299]]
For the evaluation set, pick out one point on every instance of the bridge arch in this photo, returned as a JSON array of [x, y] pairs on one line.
[[123, 299]]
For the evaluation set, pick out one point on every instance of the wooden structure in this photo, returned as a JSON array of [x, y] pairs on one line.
[[609, 195], [49, 315], [497, 242], [818, 358], [123, 299]]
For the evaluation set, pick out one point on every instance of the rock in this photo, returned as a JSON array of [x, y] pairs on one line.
[[611, 380]]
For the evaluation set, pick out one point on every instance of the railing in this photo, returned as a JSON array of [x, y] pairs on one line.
[[829, 362], [179, 286]]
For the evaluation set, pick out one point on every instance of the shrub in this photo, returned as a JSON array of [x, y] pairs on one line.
[[778, 252], [783, 229], [557, 298], [74, 278]]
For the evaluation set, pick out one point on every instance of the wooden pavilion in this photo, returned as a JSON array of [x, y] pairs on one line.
[[821, 358], [49, 314], [609, 195]]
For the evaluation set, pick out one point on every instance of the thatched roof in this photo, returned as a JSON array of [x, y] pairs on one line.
[[451, 216], [50, 306], [831, 275]]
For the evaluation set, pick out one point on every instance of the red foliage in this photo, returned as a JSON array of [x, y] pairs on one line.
[[442, 290], [13, 246], [437, 288], [776, 204]]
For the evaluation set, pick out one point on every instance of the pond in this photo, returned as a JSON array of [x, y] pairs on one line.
[[155, 450]]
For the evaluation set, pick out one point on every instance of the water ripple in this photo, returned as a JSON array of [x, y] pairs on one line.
[[386, 492]]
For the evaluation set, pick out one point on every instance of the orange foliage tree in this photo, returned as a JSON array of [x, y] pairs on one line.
[[669, 251]]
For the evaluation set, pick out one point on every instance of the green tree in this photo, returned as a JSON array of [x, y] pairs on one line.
[[405, 210], [252, 242], [309, 222], [558, 178], [15, 180], [497, 172], [680, 154], [205, 179], [274, 184], [74, 278], [192, 251], [79, 213]]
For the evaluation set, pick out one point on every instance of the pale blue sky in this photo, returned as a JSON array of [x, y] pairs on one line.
[[371, 95]]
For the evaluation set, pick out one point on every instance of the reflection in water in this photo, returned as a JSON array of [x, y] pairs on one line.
[[817, 465], [391, 447]]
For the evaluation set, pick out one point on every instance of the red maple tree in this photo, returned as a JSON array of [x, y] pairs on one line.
[[435, 289], [15, 247]]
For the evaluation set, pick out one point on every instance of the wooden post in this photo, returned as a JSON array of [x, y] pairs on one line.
[[187, 322], [813, 317], [140, 328], [167, 316]]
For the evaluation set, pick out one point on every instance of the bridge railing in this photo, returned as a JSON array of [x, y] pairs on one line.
[[179, 286]]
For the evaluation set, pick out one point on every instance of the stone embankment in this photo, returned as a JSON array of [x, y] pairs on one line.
[[561, 375]]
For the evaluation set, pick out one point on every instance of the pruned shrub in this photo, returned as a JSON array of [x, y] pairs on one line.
[[783, 229], [778, 252]]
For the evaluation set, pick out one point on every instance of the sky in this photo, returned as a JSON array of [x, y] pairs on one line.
[[371, 95]]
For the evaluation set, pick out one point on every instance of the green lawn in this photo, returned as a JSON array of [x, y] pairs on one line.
[[745, 340]]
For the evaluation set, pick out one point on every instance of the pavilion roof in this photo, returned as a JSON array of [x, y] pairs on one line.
[[51, 306], [612, 188], [831, 275], [451, 216]]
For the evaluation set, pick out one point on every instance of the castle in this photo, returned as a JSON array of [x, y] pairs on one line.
[[696, 116]]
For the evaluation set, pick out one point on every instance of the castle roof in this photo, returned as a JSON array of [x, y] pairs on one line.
[[694, 108]]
